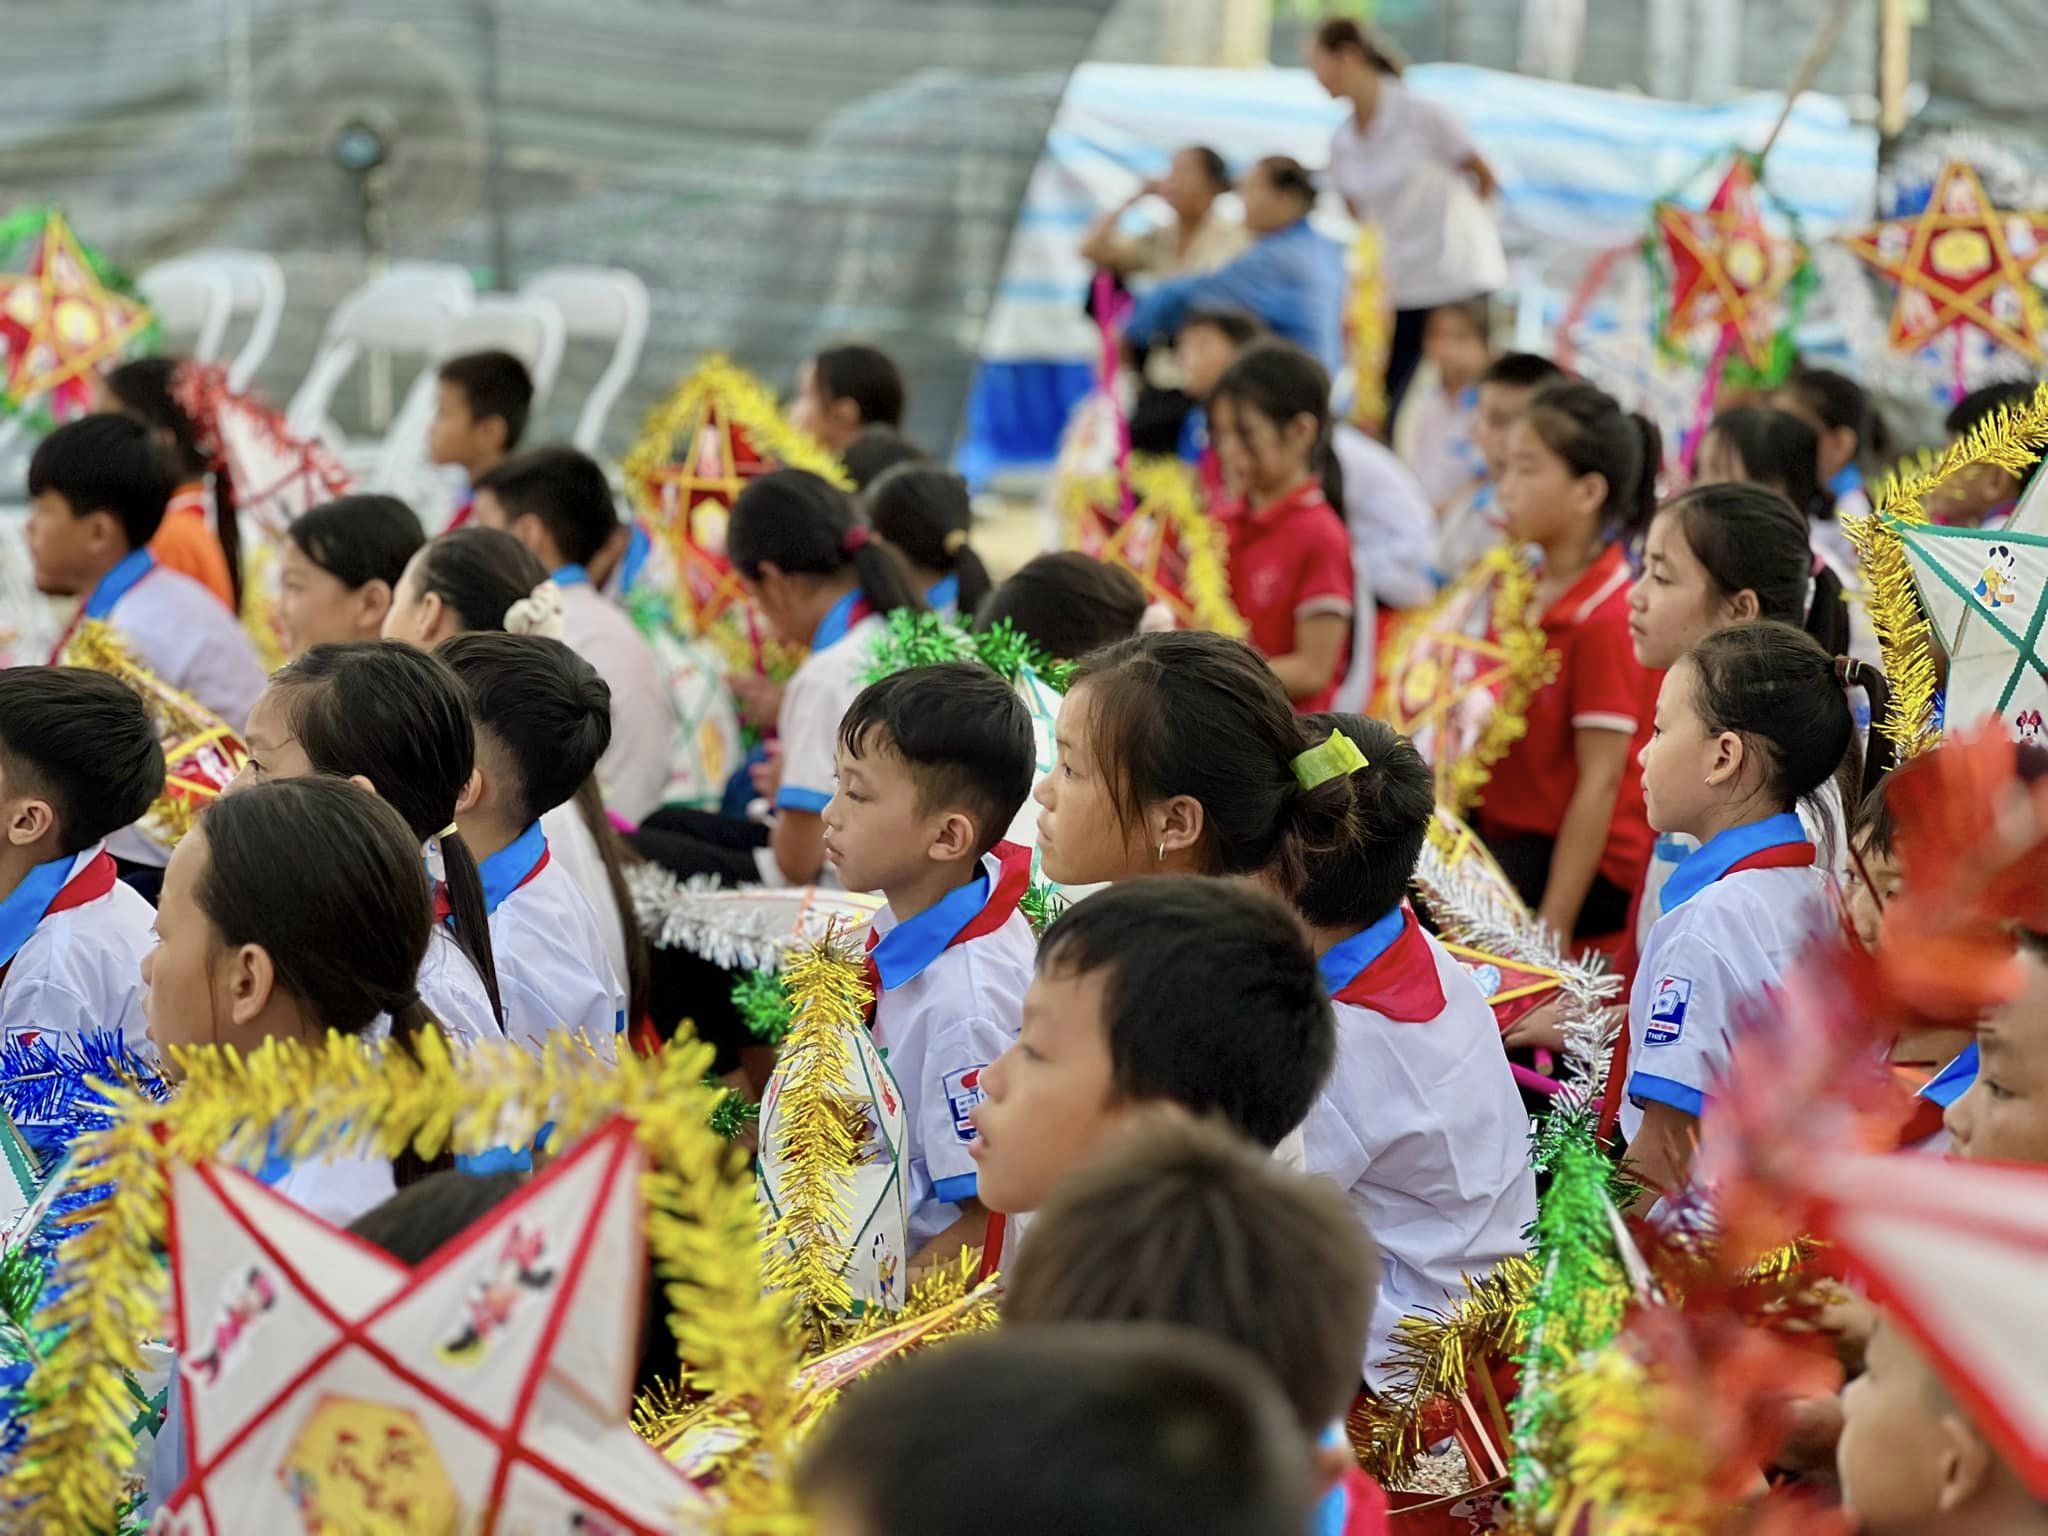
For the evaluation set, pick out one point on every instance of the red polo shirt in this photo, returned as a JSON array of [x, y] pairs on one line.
[[1291, 561], [1599, 685]]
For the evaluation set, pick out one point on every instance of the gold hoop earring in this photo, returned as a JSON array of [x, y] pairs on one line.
[[1162, 850]]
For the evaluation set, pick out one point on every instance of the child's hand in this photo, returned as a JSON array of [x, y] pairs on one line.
[[767, 774], [759, 698], [1540, 1029]]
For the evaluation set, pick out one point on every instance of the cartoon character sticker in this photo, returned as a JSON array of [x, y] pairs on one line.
[[494, 1300], [885, 1272], [1995, 586], [244, 1305], [2029, 727]]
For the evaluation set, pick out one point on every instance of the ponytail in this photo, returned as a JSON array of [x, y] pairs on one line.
[[803, 525], [617, 853], [1827, 612], [925, 512], [143, 389], [1582, 425], [1880, 756]]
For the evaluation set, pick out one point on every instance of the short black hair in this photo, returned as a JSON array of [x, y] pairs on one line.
[[495, 384], [542, 705], [1068, 604], [417, 1222], [83, 741], [1876, 828], [1393, 799], [1238, 327], [1980, 405], [867, 376], [359, 539], [564, 488], [964, 733], [1211, 995], [1214, 166], [1521, 370], [876, 451], [108, 463], [1080, 1429]]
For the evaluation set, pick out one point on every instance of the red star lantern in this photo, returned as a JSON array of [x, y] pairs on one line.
[[1962, 263], [330, 1388], [60, 324], [1728, 271]]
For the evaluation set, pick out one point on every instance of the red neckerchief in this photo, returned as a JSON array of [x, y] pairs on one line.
[[1365, 1504], [1402, 984], [1784, 856], [1013, 879], [88, 884], [463, 514], [443, 911]]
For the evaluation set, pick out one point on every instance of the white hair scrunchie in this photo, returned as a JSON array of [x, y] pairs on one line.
[[537, 613]]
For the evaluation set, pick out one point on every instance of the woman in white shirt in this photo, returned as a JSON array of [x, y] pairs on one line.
[[1408, 165]]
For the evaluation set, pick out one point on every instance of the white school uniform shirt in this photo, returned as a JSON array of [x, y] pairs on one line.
[[1420, 1123], [552, 973], [571, 845], [813, 702], [645, 743], [1821, 818], [338, 1191], [1392, 522], [453, 993], [1434, 439], [950, 1001], [77, 971], [1727, 936]]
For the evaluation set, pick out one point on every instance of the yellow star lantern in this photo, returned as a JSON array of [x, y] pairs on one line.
[[1729, 272], [1962, 263], [62, 318]]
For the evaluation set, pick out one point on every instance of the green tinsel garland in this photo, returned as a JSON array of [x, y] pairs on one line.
[[763, 1004], [733, 1112], [928, 639], [1041, 906]]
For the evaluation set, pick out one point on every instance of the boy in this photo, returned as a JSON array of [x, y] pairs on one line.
[[844, 390], [1175, 990], [1473, 525], [543, 719], [481, 403], [933, 764], [1434, 433], [79, 758], [1998, 1105], [1069, 1431], [1984, 495], [1420, 1123], [558, 503], [97, 492], [1214, 1236]]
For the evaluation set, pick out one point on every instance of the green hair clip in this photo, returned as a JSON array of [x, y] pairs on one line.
[[1336, 758]]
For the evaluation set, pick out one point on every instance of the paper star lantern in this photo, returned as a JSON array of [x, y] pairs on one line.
[[64, 316], [278, 475], [1961, 264], [1730, 274], [329, 1388], [1163, 537]]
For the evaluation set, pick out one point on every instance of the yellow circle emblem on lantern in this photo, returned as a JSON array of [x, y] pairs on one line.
[[358, 1466], [77, 324], [1960, 253], [1419, 684], [1746, 263]]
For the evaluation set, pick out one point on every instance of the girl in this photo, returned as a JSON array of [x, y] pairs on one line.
[[290, 910], [1069, 604], [484, 581], [1750, 723], [341, 569], [396, 721], [924, 513], [1176, 755], [1290, 560], [185, 542], [823, 580], [1564, 809], [1852, 431]]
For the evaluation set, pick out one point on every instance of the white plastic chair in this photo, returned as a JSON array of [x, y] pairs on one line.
[[256, 288], [188, 296], [598, 304], [406, 310]]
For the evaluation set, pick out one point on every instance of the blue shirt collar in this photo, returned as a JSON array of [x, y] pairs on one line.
[[1953, 1080], [638, 547], [1344, 963], [504, 870], [833, 627], [29, 901], [903, 953], [1724, 850], [570, 575], [119, 582], [1848, 478], [944, 593]]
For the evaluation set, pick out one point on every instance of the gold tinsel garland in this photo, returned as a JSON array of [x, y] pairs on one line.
[[1163, 491], [1369, 335], [259, 605], [354, 1096], [1631, 1461], [2011, 440]]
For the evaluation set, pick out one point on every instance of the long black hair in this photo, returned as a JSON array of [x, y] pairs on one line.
[[478, 573], [400, 718], [359, 539], [926, 513], [1068, 603], [1840, 402], [1281, 381], [1748, 537], [802, 525], [143, 389], [1779, 450], [1583, 425]]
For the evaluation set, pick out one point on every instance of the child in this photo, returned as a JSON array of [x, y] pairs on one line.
[[821, 579], [1290, 561], [1211, 1235], [1852, 430], [1563, 811], [924, 512], [1069, 1431], [1434, 433], [1176, 755], [1420, 1124], [1749, 723], [1874, 874], [1207, 343], [97, 491], [558, 503], [1984, 495], [341, 567], [291, 910], [933, 764], [543, 719], [1068, 604], [1142, 996], [2001, 1114], [1472, 525], [481, 403], [845, 389], [79, 757], [186, 541], [397, 722], [877, 451]]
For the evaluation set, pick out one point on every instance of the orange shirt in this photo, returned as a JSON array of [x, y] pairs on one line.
[[186, 543]]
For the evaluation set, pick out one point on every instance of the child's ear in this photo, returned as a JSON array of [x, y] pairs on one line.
[[1178, 825], [532, 532], [252, 978], [105, 529], [30, 821], [494, 430], [1966, 1461], [1730, 753], [1743, 608], [955, 838], [472, 792], [373, 601], [1590, 492], [362, 781]]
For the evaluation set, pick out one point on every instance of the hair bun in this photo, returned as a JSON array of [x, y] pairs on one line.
[[537, 613]]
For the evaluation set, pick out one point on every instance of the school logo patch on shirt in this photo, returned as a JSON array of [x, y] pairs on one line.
[[963, 1092], [1667, 1011]]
